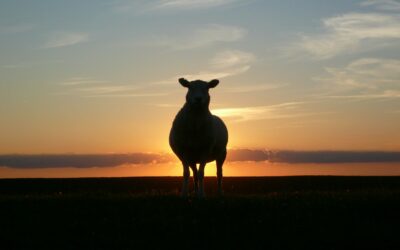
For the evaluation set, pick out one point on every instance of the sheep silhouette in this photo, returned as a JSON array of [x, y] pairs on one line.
[[197, 136]]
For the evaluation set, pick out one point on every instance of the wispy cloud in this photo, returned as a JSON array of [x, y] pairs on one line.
[[220, 66], [224, 64], [109, 90], [202, 37], [277, 111], [105, 89], [363, 79], [92, 87], [62, 39], [81, 80], [191, 4], [233, 62], [379, 69], [17, 28], [138, 94], [372, 73], [27, 64], [254, 87], [14, 66], [217, 74], [232, 58], [168, 5], [387, 94], [391, 5], [348, 33], [393, 112]]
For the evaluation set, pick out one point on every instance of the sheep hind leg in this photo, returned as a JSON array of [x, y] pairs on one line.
[[195, 180], [185, 184], [200, 176], [220, 163]]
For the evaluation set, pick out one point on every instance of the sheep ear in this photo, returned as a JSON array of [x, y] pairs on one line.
[[185, 83], [213, 83]]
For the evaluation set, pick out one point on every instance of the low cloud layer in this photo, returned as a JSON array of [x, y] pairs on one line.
[[287, 156], [80, 160], [234, 155]]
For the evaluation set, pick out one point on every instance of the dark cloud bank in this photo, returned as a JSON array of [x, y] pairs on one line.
[[234, 155], [80, 160]]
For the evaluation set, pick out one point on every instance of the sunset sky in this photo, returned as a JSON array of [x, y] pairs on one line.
[[100, 77]]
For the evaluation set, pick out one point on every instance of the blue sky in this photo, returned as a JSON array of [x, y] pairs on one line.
[[101, 76]]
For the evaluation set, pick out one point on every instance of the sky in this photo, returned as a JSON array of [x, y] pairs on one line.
[[100, 77]]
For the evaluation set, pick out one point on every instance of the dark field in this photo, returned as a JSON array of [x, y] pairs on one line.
[[147, 213]]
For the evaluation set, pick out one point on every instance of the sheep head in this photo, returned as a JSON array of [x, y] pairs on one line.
[[197, 96]]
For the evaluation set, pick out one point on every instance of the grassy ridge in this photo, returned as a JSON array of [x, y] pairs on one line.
[[256, 212]]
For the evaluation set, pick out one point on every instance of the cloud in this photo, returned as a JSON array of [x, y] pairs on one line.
[[217, 74], [191, 4], [81, 80], [322, 156], [387, 5], [364, 73], [220, 66], [234, 155], [253, 88], [247, 155], [277, 111], [17, 28], [231, 58], [105, 89], [203, 37], [111, 95], [391, 94], [365, 78], [114, 91], [348, 33], [224, 64], [91, 87], [168, 5], [80, 161], [27, 64], [287, 156], [62, 39], [381, 70]]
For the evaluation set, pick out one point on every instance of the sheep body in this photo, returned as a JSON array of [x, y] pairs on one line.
[[198, 139]]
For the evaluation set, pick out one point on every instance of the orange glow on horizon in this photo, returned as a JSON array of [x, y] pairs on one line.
[[230, 169]]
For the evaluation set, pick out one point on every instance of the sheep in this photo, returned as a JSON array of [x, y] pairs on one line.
[[197, 136]]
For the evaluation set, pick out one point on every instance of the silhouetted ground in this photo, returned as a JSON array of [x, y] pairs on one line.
[[147, 213]]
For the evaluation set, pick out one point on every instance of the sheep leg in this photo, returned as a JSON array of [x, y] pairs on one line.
[[186, 175], [195, 180], [220, 162], [219, 177], [201, 180]]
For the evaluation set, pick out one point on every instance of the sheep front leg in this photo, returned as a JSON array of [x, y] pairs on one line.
[[200, 176], [220, 162], [185, 184], [195, 180]]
